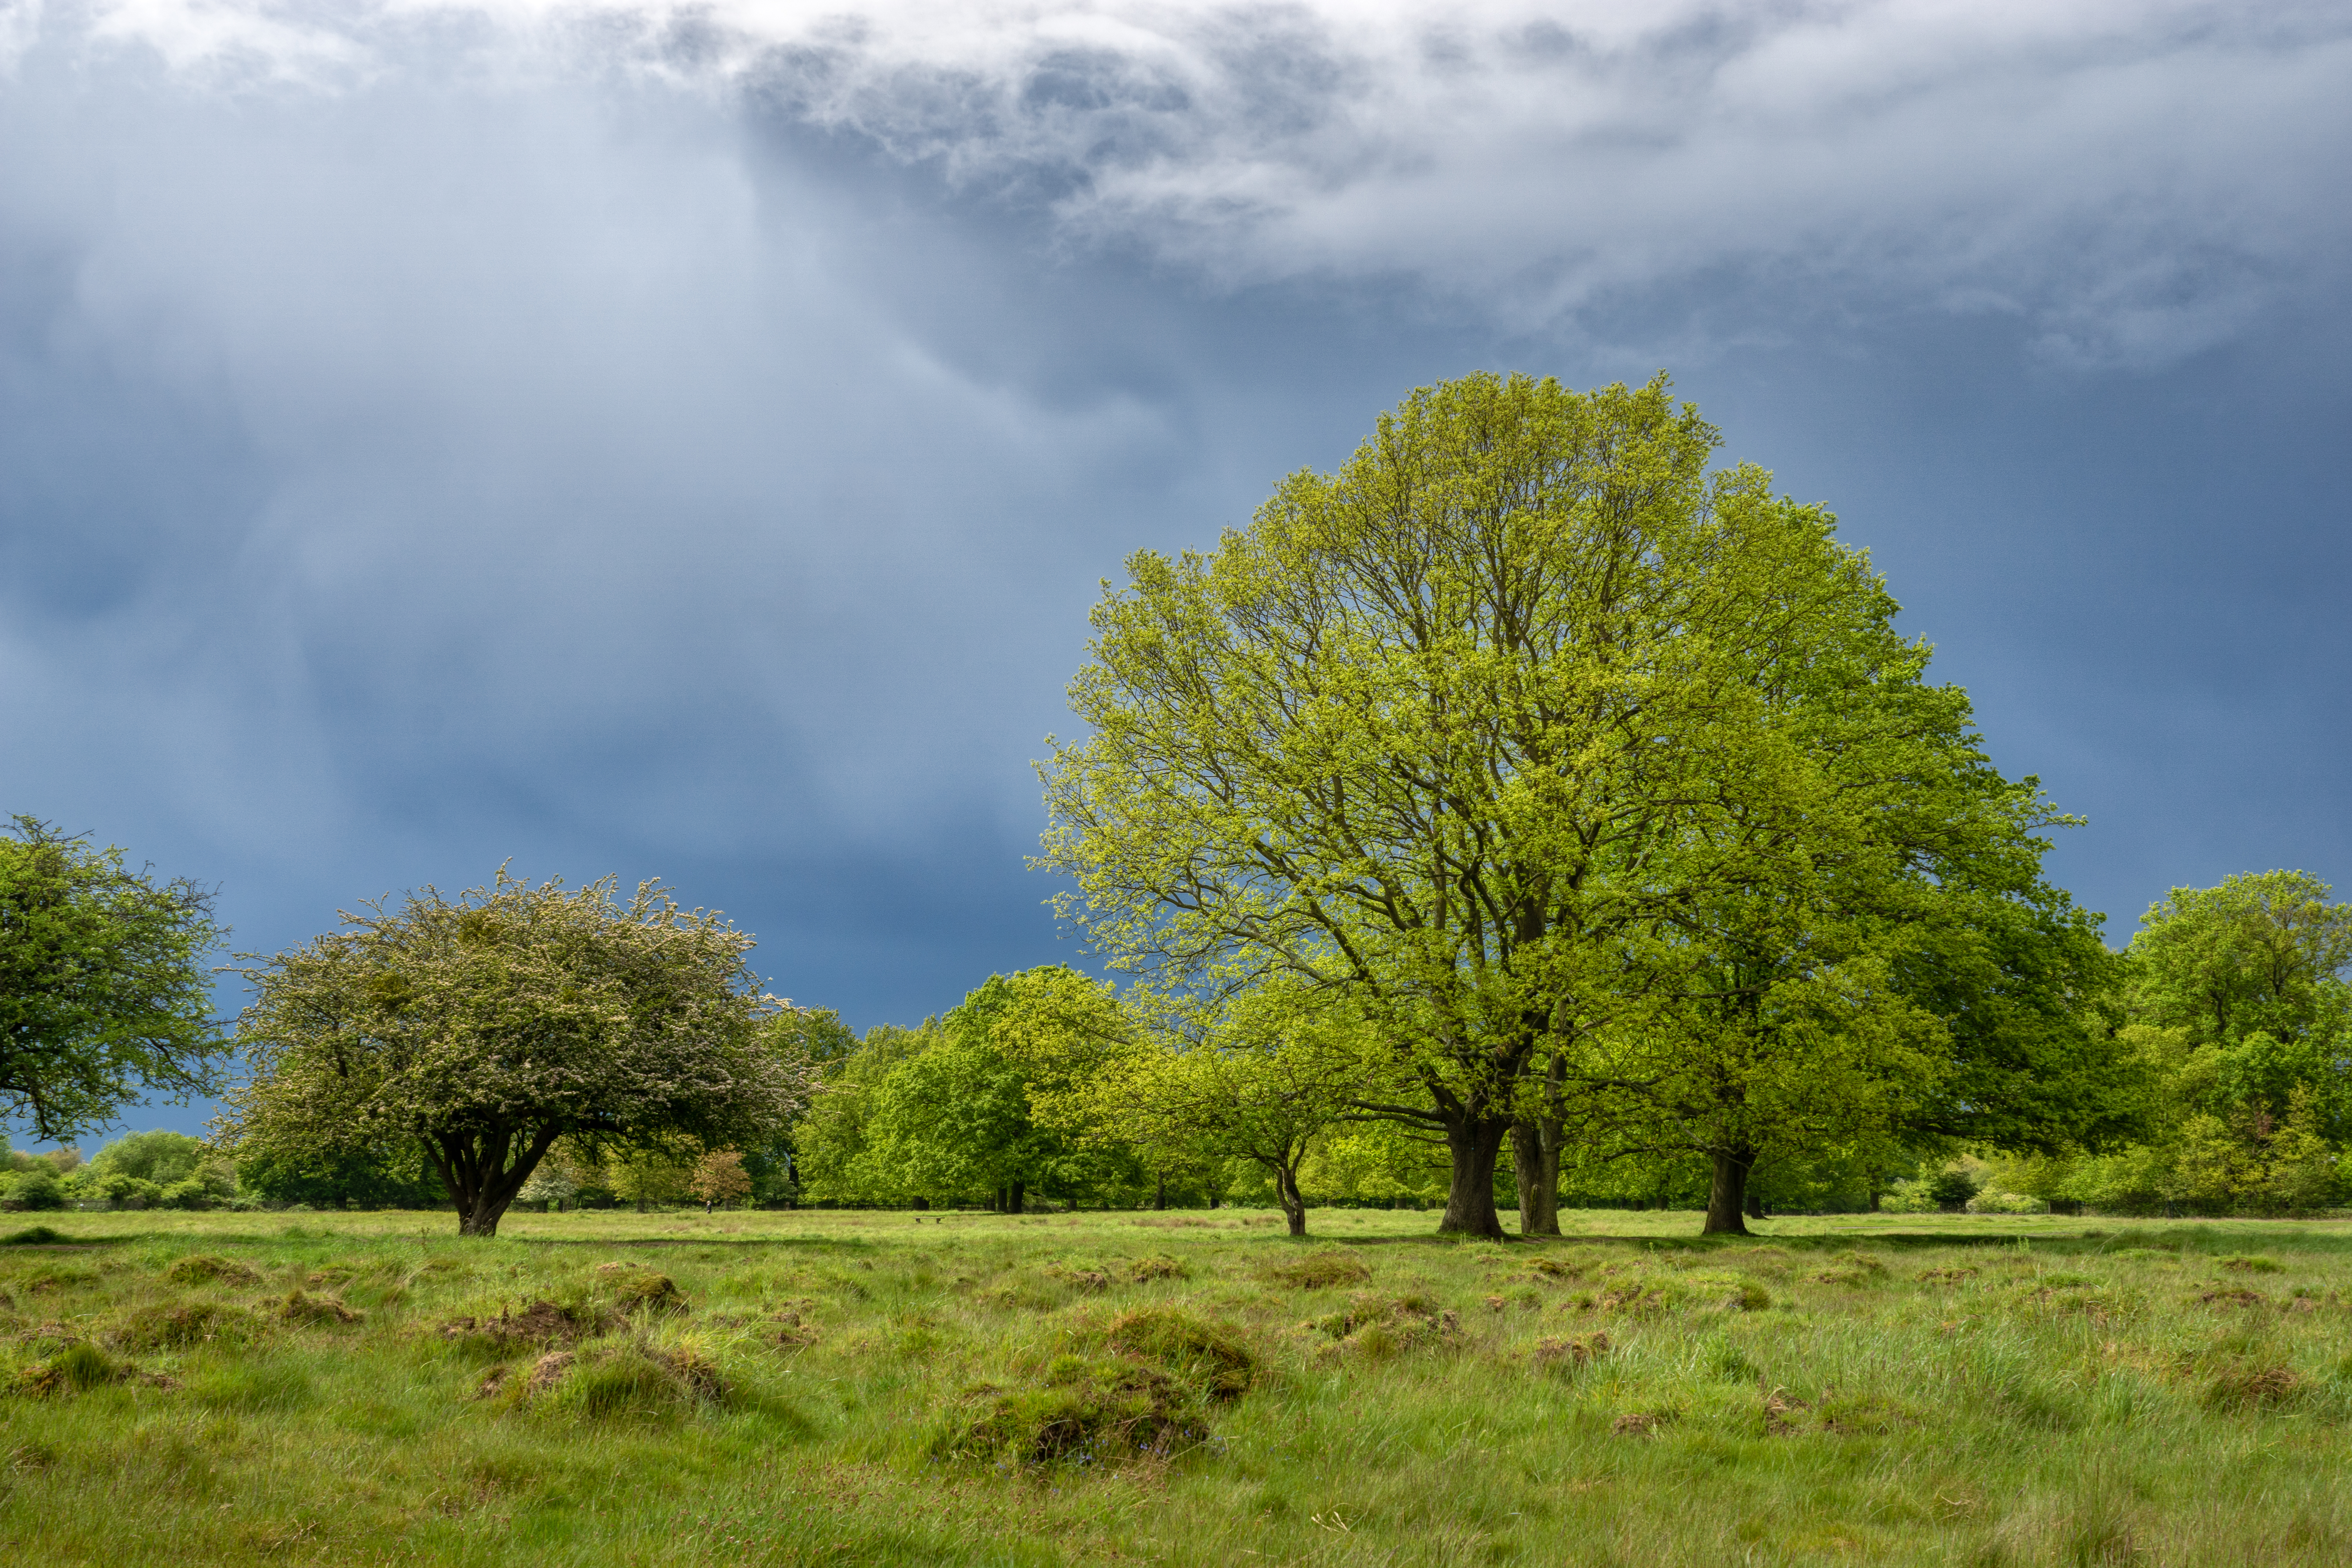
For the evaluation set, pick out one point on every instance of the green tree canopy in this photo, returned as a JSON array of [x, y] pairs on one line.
[[1521, 736], [104, 995], [2249, 980], [482, 1028]]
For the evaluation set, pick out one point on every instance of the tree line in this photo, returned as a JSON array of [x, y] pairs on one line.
[[1523, 807]]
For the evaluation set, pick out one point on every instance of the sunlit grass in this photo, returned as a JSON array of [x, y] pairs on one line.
[[979, 1389]]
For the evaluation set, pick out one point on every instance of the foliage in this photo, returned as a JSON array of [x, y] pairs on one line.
[[484, 1028], [36, 1188], [1588, 783], [394, 1174], [104, 996], [718, 1177]]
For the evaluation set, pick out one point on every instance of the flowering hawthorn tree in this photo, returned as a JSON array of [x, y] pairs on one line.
[[486, 1026]]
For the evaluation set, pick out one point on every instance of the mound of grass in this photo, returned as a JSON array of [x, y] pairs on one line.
[[1320, 1271], [35, 1235], [65, 1277], [177, 1325], [2254, 1264], [1211, 1360], [1379, 1326], [1088, 1413], [1085, 1282], [207, 1268], [2248, 1387], [1143, 1270], [76, 1369], [649, 1292], [626, 1379], [298, 1307], [1569, 1352], [1853, 1270], [2226, 1297], [541, 1323]]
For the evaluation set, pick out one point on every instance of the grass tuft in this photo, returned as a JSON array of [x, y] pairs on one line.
[[1320, 1271], [207, 1268]]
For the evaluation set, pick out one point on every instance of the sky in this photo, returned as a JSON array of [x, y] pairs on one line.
[[685, 441]]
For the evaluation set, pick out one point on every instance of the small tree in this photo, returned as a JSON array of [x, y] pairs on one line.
[[718, 1177], [104, 990], [484, 1028]]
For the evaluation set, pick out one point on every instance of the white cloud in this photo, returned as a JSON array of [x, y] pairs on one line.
[[2135, 177]]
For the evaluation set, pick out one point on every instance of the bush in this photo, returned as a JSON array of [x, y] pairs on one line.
[[2006, 1203], [128, 1192], [34, 1189], [1952, 1189], [189, 1194]]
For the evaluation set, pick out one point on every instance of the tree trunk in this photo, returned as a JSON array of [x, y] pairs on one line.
[[475, 1173], [1726, 1195], [1755, 1196], [1286, 1193], [1160, 1196], [1475, 1145], [1013, 1197], [1534, 1159]]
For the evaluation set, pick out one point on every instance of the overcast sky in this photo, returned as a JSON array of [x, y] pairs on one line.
[[685, 441]]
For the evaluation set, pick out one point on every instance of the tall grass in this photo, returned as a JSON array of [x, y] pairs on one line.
[[842, 1388]]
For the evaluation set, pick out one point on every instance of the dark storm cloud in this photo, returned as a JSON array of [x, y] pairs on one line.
[[686, 442]]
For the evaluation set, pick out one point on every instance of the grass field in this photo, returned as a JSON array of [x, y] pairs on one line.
[[840, 1388]]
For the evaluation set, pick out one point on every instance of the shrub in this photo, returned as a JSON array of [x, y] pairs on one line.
[[2006, 1203], [36, 1189], [189, 1194], [1952, 1189]]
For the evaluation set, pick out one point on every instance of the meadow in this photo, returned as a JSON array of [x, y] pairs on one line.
[[881, 1388]]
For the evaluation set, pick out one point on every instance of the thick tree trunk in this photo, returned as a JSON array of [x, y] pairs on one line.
[[1475, 1145], [1726, 1195], [1755, 1196], [475, 1175], [1159, 1193], [1014, 1197], [1293, 1202], [1534, 1159]]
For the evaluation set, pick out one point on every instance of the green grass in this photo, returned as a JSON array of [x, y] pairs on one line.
[[894, 1388]]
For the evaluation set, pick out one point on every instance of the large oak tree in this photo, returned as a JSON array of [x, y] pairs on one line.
[[1467, 733]]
